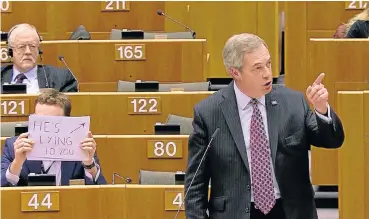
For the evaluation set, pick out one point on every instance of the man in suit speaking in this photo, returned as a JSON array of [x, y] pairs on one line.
[[258, 162], [23, 48]]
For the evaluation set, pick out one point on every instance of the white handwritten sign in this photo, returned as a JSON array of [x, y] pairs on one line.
[[58, 137]]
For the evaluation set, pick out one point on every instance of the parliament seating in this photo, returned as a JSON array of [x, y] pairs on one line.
[[98, 65], [309, 19], [8, 128], [107, 201], [184, 122], [113, 113], [123, 123], [353, 157], [345, 63], [55, 22], [261, 18], [126, 155], [147, 177]]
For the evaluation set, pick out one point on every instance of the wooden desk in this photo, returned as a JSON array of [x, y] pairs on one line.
[[302, 22], [210, 22], [114, 113], [353, 157], [128, 154], [82, 202], [345, 63], [152, 201], [98, 64], [56, 20], [103, 202]]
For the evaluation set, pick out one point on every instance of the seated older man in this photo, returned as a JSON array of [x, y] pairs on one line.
[[24, 48]]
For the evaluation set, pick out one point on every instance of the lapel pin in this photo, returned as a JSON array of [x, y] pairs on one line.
[[274, 102]]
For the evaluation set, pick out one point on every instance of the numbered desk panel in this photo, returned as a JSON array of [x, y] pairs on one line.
[[128, 154], [6, 6], [16, 107], [161, 201], [356, 5], [82, 202], [115, 5], [116, 113], [40, 201], [130, 52], [5, 58]]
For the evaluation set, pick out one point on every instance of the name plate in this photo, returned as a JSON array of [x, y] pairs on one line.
[[16, 107], [130, 52], [165, 149], [6, 6], [144, 105], [115, 6], [40, 201], [4, 55], [356, 5], [173, 200]]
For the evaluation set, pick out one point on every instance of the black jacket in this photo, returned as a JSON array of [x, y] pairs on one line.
[[58, 78]]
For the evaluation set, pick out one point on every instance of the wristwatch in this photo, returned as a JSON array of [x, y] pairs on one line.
[[88, 167]]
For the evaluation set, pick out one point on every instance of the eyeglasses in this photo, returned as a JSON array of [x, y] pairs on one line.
[[22, 48]]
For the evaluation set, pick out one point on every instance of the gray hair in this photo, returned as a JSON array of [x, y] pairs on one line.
[[11, 36], [236, 47]]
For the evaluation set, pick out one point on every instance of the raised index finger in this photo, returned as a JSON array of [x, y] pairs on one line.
[[319, 79]]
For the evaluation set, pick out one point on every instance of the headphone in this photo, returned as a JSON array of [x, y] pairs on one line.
[[10, 50]]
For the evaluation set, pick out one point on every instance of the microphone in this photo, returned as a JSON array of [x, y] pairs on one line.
[[274, 102], [198, 167], [61, 58], [161, 13], [128, 180], [43, 68]]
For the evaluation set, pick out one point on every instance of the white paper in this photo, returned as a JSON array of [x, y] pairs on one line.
[[58, 138]]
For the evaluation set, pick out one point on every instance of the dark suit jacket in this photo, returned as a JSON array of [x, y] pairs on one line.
[[360, 29], [292, 127], [69, 169], [58, 78]]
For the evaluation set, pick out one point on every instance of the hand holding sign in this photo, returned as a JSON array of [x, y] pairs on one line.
[[89, 145], [58, 138], [317, 95], [21, 146]]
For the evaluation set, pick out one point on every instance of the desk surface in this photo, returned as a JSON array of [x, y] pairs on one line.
[[103, 202], [97, 62], [128, 154], [58, 19], [345, 64], [115, 113]]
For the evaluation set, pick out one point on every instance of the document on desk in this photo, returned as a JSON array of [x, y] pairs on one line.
[[58, 138]]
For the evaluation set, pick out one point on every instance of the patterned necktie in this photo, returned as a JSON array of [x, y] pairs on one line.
[[261, 170], [20, 78]]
